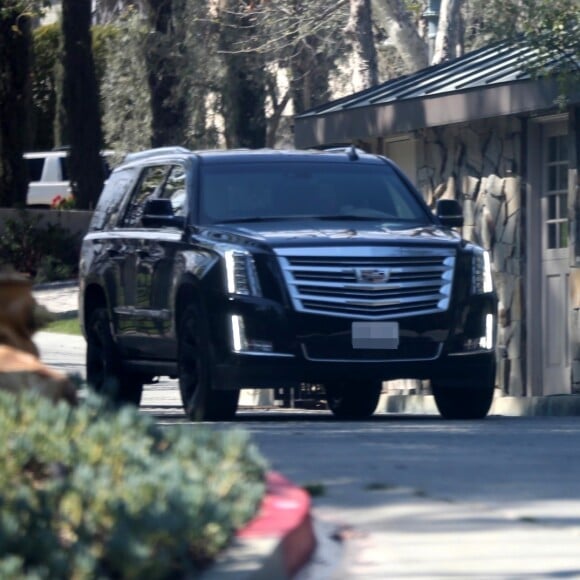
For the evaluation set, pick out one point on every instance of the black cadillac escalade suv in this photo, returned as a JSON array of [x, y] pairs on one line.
[[235, 269]]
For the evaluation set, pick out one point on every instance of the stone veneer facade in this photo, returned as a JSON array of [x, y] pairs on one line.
[[478, 164]]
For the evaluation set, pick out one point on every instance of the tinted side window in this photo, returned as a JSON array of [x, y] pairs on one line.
[[150, 186], [115, 191], [35, 168], [175, 190]]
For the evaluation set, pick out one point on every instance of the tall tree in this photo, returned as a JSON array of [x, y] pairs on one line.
[[402, 31], [244, 87], [81, 103], [125, 91], [164, 61], [360, 30], [15, 99], [448, 43], [303, 38]]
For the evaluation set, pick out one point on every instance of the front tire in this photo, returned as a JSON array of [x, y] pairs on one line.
[[201, 402], [468, 397], [354, 400], [104, 365]]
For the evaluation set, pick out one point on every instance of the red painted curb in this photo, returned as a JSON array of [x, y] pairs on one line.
[[285, 513]]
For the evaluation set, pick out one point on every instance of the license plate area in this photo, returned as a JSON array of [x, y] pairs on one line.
[[375, 335]]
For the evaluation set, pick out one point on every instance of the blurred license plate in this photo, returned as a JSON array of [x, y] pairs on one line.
[[375, 335]]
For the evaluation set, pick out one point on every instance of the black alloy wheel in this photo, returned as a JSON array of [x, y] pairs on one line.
[[201, 402], [104, 366]]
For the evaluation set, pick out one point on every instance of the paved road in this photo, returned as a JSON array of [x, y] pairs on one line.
[[417, 497]]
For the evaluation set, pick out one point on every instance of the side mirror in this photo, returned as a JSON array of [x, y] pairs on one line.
[[450, 213], [158, 213]]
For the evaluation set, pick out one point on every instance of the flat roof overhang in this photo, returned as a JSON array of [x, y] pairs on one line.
[[403, 116]]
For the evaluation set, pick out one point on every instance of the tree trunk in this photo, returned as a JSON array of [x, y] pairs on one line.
[[81, 103], [403, 33], [15, 104], [244, 90], [447, 37], [309, 70], [168, 105], [360, 30]]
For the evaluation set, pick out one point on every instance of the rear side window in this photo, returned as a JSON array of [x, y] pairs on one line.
[[64, 169], [106, 214], [35, 168], [175, 190], [150, 187]]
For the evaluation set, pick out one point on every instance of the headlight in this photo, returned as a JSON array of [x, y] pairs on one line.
[[241, 274], [481, 280]]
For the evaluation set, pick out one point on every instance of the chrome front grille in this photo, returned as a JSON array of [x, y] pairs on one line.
[[371, 282]]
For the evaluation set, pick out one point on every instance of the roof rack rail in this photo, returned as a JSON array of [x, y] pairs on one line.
[[155, 152], [352, 151]]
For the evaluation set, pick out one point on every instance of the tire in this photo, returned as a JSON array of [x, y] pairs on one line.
[[201, 402], [354, 400], [467, 397], [104, 366]]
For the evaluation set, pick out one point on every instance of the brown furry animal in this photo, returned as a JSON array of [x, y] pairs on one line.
[[23, 371], [20, 367]]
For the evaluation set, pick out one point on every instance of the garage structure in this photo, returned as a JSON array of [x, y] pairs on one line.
[[483, 130]]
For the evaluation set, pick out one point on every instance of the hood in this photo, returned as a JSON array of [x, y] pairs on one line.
[[276, 234]]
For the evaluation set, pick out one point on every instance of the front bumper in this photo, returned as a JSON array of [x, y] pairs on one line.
[[276, 347]]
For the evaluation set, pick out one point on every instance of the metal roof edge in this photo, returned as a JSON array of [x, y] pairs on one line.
[[380, 120]]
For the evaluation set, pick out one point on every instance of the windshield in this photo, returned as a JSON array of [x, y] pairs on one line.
[[306, 190]]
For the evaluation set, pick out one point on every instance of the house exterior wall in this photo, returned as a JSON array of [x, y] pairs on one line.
[[480, 165]]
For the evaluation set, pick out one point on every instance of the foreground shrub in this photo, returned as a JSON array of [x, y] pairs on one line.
[[90, 493]]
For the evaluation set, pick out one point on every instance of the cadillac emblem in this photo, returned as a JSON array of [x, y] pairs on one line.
[[372, 275]]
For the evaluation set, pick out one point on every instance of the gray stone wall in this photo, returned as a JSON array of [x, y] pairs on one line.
[[478, 164]]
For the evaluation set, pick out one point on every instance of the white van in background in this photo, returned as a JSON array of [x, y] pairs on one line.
[[49, 176]]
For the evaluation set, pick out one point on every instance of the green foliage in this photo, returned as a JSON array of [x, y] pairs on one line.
[[47, 252], [551, 26], [89, 493], [102, 35], [65, 326], [46, 47], [10, 8], [45, 80], [125, 95]]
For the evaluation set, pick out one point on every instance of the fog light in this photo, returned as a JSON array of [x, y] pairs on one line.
[[483, 342], [487, 340], [241, 343]]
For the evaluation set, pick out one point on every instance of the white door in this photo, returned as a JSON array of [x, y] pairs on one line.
[[555, 261]]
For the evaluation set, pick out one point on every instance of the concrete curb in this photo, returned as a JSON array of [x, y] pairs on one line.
[[277, 543], [547, 406]]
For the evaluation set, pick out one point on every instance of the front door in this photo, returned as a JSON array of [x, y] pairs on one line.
[[555, 261]]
